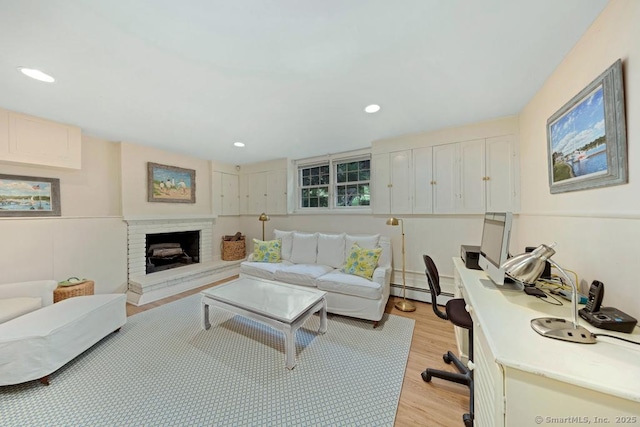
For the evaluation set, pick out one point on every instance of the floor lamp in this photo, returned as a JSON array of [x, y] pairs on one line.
[[403, 305], [262, 218]]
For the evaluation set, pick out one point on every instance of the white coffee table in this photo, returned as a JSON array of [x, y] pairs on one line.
[[281, 306]]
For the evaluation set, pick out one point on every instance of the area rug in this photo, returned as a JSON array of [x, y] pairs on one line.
[[163, 369]]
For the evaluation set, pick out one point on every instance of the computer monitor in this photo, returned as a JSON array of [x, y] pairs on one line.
[[494, 248]]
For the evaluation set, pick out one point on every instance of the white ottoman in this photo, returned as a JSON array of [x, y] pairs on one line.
[[38, 343]]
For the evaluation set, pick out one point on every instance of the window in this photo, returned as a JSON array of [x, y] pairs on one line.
[[314, 186], [352, 183], [335, 183]]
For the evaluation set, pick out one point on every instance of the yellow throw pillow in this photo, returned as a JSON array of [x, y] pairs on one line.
[[362, 262], [266, 251]]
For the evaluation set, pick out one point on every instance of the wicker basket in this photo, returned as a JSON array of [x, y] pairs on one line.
[[81, 289], [233, 250]]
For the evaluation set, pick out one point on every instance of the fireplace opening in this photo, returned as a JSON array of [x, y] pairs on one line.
[[171, 250]]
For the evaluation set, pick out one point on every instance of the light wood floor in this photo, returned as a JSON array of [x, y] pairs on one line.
[[438, 403]]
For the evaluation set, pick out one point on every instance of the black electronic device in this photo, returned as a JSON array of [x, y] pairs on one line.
[[531, 290], [470, 256], [546, 273], [609, 318], [596, 295]]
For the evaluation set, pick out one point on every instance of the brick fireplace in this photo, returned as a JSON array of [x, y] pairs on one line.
[[144, 288]]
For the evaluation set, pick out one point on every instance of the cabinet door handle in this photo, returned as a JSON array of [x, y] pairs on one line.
[[389, 185], [470, 365]]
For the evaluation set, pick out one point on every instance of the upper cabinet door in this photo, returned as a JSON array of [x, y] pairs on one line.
[[446, 178], [472, 177], [230, 194], [257, 193], [277, 192], [42, 142], [500, 174], [422, 178], [381, 184], [401, 182]]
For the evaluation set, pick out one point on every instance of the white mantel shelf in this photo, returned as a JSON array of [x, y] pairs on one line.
[[131, 219]]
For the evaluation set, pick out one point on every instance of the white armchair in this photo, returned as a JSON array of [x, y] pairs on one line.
[[21, 298]]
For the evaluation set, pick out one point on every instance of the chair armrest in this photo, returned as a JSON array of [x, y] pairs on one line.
[[37, 288]]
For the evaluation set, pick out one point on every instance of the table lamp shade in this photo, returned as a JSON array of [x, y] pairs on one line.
[[528, 267]]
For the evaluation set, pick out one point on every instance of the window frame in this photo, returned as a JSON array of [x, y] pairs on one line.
[[332, 162]]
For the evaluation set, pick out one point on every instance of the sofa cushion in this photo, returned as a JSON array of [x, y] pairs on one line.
[[362, 262], [331, 250], [286, 237], [343, 283], [368, 241], [304, 248], [266, 251], [10, 308], [263, 270], [302, 274]]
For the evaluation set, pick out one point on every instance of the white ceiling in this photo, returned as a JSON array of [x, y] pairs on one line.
[[289, 78]]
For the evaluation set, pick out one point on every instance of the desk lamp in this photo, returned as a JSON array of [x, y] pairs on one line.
[[262, 218], [527, 268], [404, 305]]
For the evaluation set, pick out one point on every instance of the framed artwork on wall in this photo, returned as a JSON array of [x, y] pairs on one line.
[[29, 196], [587, 141], [170, 184]]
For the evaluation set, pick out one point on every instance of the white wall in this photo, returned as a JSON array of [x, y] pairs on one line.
[[597, 230], [88, 240]]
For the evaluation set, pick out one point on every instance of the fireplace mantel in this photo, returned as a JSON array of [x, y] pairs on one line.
[[169, 218]]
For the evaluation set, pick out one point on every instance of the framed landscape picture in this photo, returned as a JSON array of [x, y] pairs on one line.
[[29, 196], [170, 184], [587, 143]]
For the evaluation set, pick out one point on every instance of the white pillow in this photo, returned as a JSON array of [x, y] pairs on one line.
[[286, 237], [304, 248], [331, 249], [365, 241]]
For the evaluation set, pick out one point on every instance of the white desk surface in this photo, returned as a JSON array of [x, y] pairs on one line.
[[610, 366]]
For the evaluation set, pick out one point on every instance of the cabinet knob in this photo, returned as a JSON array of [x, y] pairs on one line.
[[468, 308], [389, 185], [470, 365]]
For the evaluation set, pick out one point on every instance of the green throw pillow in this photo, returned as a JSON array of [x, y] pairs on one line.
[[266, 251], [362, 262]]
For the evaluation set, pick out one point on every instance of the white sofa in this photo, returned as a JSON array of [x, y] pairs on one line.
[[41, 337], [316, 260], [21, 298]]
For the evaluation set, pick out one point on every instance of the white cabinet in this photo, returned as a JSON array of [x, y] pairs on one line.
[[393, 183], [474, 176], [500, 175], [277, 192], [226, 196], [422, 177], [31, 140], [446, 178], [264, 192]]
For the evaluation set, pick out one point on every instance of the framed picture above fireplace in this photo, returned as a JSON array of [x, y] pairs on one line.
[[29, 196], [170, 184]]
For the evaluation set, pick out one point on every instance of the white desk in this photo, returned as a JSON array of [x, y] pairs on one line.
[[520, 375]]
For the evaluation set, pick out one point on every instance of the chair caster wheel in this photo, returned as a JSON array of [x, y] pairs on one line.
[[426, 376], [446, 358], [468, 420]]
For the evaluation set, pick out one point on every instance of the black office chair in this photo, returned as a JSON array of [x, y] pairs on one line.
[[456, 313]]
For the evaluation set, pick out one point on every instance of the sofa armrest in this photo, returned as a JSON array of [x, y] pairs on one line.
[[382, 276], [37, 288]]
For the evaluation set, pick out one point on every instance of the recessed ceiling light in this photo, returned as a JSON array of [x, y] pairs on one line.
[[239, 144], [36, 74], [373, 108]]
